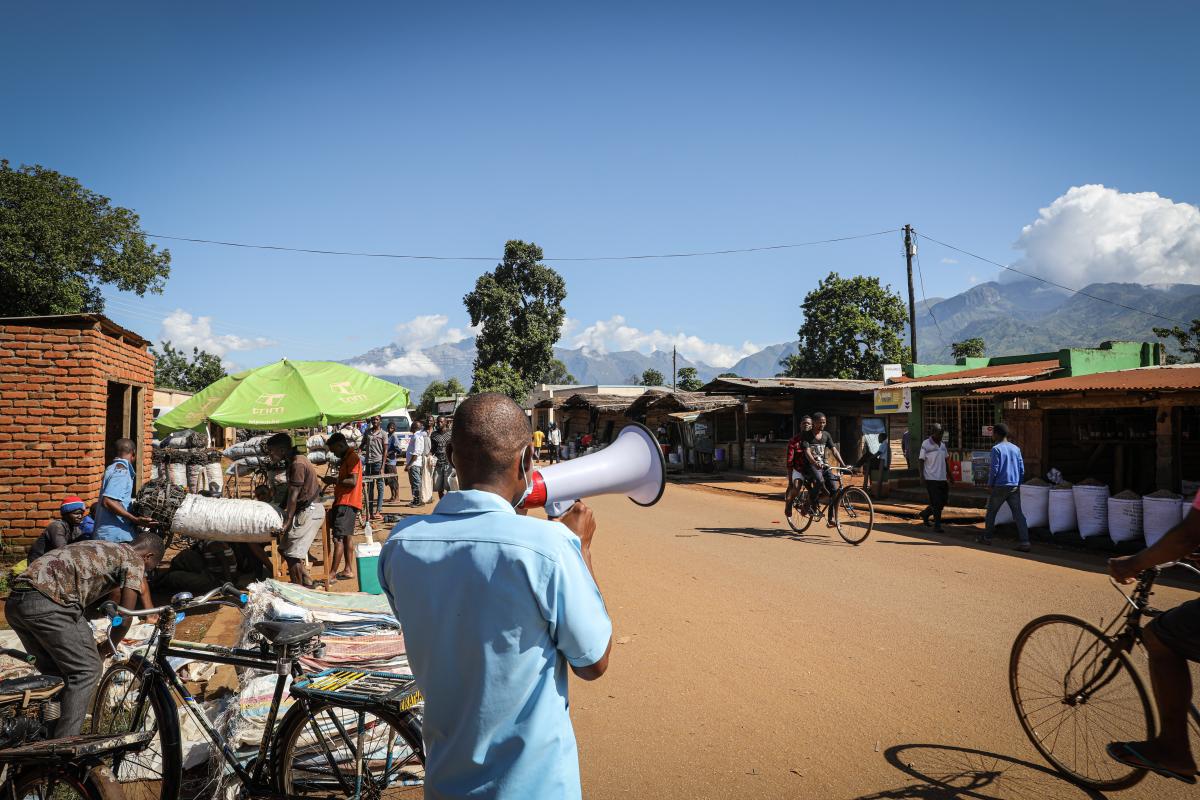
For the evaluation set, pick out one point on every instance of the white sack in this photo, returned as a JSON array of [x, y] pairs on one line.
[[1035, 502], [195, 477], [1091, 510], [1061, 511], [1159, 515], [177, 474], [226, 519], [1124, 519], [213, 474]]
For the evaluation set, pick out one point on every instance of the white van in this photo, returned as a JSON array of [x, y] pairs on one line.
[[403, 420]]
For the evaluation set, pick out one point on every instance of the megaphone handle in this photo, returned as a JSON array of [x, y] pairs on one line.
[[558, 508]]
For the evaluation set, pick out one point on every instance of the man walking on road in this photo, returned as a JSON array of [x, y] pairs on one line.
[[415, 462], [554, 438], [934, 458], [524, 608], [374, 450], [1004, 479]]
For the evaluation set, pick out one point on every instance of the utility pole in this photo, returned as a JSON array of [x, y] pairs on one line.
[[673, 370], [910, 250]]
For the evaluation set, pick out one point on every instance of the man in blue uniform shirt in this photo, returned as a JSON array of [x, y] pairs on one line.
[[495, 606], [115, 523]]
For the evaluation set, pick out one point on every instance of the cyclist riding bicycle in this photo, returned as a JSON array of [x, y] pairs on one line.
[[1172, 639], [817, 472], [795, 464]]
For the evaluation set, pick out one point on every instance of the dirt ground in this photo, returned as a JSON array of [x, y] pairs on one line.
[[750, 662]]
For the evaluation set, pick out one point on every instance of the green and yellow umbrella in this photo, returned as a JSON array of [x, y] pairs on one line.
[[286, 395]]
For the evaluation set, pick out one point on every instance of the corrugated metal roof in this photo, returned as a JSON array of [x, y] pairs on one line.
[[1000, 373], [1176, 377], [787, 385], [600, 402]]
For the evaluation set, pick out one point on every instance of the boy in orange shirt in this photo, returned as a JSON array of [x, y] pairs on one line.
[[347, 502]]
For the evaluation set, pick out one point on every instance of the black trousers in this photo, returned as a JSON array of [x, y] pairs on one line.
[[939, 495]]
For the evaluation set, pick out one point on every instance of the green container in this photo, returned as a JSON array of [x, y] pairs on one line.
[[367, 556]]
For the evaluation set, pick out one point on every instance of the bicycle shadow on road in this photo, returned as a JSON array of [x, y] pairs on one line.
[[821, 538], [948, 772]]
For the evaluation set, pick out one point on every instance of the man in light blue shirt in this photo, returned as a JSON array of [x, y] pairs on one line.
[[114, 522], [1004, 478], [495, 606]]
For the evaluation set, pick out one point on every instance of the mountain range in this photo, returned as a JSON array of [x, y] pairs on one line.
[[1012, 318]]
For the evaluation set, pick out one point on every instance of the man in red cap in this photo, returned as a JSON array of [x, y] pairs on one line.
[[62, 531]]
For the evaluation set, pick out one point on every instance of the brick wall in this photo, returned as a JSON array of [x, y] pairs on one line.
[[53, 403]]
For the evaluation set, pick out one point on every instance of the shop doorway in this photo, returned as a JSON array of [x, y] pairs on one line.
[[123, 420]]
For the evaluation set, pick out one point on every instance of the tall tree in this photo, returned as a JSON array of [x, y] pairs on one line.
[[448, 388], [651, 377], [174, 370], [60, 243], [557, 373], [519, 305], [688, 380], [974, 347], [852, 327], [729, 375], [1188, 341]]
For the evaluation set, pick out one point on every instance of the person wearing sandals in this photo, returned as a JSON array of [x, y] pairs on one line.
[[347, 502], [302, 513], [1172, 639]]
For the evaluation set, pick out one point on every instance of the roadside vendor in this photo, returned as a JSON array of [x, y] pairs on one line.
[[46, 609], [62, 531], [347, 503], [302, 513]]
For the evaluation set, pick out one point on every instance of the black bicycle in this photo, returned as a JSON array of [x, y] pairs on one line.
[[852, 511], [1075, 689], [354, 735], [35, 767]]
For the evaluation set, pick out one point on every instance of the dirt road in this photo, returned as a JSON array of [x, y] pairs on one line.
[[750, 663]]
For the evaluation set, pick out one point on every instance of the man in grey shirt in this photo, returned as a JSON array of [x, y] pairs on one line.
[[374, 450]]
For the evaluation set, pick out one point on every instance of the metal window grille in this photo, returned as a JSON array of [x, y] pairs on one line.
[[963, 418]]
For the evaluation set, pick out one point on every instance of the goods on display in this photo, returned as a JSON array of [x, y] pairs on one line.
[[1061, 509], [1161, 511], [1091, 508], [195, 477], [177, 474], [226, 519], [250, 447], [1035, 502], [1125, 517]]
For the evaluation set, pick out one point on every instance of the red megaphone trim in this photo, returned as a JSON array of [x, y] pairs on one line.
[[537, 495]]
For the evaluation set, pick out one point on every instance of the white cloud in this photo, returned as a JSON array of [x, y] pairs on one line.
[[569, 327], [430, 330], [184, 332], [414, 363], [604, 336], [1094, 234]]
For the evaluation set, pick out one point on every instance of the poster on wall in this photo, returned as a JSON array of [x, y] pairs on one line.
[[893, 400], [981, 461]]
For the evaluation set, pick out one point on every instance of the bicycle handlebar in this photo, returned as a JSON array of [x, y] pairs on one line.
[[179, 603], [1152, 572]]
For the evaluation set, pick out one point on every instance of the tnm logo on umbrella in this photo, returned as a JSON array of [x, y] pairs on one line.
[[268, 405], [345, 392]]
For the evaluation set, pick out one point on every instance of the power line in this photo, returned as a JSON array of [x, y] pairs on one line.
[[924, 299], [1050, 282], [364, 254]]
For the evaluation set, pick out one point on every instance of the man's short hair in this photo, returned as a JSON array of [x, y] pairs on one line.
[[337, 438], [152, 543], [124, 447], [279, 440], [936, 428], [818, 415], [1000, 430], [490, 430]]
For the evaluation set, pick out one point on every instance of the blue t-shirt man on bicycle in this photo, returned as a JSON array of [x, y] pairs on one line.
[[495, 607]]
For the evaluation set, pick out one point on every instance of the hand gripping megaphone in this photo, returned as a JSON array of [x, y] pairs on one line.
[[632, 465]]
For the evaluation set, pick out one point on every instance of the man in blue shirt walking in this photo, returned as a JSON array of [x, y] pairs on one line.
[[114, 522], [495, 607], [1004, 479]]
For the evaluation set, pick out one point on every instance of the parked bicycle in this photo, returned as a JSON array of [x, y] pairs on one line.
[[34, 767], [1075, 689], [853, 512], [353, 734]]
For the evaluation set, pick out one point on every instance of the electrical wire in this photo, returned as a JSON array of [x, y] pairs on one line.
[[1050, 282], [924, 299], [363, 254]]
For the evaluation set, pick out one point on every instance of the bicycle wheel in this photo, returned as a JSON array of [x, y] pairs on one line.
[[124, 703], [52, 783], [800, 518], [855, 515], [316, 749], [1074, 693]]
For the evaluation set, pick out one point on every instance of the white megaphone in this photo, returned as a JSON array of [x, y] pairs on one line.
[[632, 465]]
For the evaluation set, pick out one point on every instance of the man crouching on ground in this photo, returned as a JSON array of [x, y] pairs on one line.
[[494, 606]]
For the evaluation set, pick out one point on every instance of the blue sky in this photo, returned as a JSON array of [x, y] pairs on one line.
[[599, 129]]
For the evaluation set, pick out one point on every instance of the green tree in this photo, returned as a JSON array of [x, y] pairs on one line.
[[500, 378], [1188, 341], [448, 388], [974, 347], [174, 370], [557, 373], [688, 380], [729, 375], [651, 377], [519, 306], [852, 327], [60, 243]]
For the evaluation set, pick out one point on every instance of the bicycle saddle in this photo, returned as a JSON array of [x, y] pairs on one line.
[[287, 633], [37, 686]]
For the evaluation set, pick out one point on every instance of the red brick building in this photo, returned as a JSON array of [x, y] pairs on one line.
[[70, 386]]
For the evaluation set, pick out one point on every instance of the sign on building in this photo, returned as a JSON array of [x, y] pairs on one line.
[[893, 400]]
